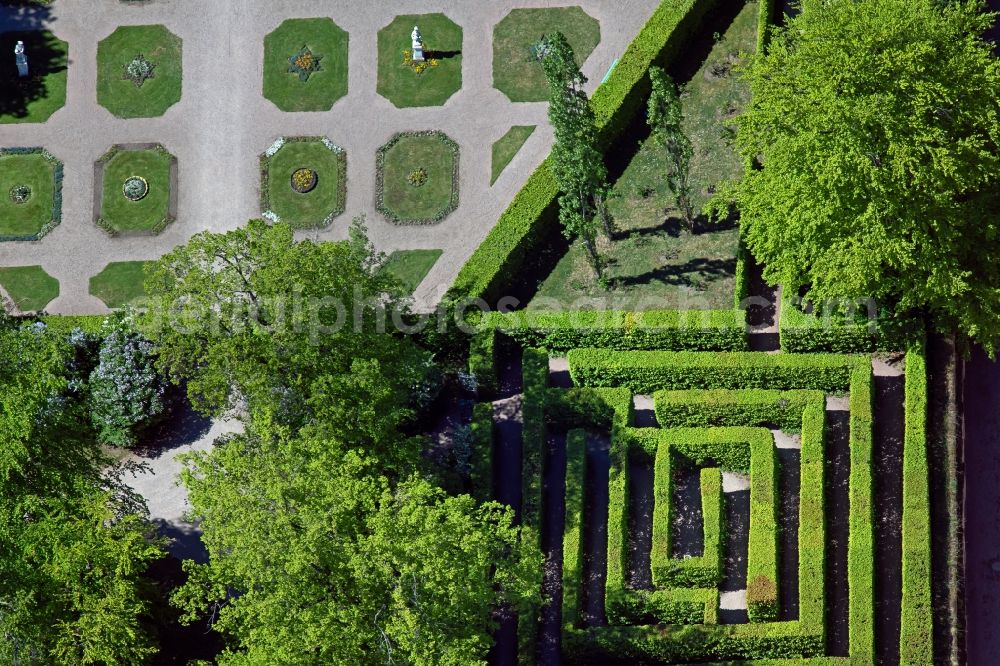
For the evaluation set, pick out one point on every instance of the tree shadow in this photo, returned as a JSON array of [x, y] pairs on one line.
[[46, 55], [680, 274], [182, 426], [179, 643], [441, 55]]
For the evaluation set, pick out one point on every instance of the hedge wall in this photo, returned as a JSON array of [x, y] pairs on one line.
[[762, 551], [861, 545], [482, 361], [916, 626], [481, 475], [719, 330], [646, 372], [750, 407], [800, 332], [535, 373], [615, 102]]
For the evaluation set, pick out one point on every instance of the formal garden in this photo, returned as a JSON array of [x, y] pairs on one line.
[[35, 97], [138, 185], [303, 181], [644, 425], [139, 71]]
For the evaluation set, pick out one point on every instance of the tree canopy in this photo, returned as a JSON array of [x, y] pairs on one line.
[[876, 128]]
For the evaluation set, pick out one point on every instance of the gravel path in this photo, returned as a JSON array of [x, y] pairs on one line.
[[223, 123]]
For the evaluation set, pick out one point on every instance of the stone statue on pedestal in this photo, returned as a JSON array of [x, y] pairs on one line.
[[418, 45], [21, 59]]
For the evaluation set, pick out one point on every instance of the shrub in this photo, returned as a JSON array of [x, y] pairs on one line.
[[647, 372], [573, 550], [126, 393], [861, 546], [916, 625], [481, 476], [749, 407]]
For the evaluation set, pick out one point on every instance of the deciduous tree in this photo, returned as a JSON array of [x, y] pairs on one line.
[[666, 118]]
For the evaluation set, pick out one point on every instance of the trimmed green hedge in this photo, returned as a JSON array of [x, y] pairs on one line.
[[535, 373], [762, 551], [573, 551], [750, 407], [482, 361], [765, 19], [861, 542], [716, 330], [481, 475], [646, 372], [800, 332], [916, 634], [615, 102]]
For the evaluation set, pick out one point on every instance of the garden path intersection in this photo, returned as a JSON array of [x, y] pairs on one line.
[[223, 123]]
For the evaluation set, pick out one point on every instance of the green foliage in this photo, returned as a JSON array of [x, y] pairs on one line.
[[73, 535], [573, 543], [126, 393], [916, 627], [577, 160], [665, 119], [481, 476], [748, 407], [722, 330], [898, 203], [647, 372], [861, 546], [616, 101]]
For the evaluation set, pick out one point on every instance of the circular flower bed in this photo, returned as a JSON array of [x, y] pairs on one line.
[[417, 178], [304, 180], [20, 194], [135, 188]]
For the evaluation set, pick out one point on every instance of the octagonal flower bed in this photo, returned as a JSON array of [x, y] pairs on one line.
[[417, 177], [30, 193], [139, 71], [305, 65], [303, 181], [138, 186]]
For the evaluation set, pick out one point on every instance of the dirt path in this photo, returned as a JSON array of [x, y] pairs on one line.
[[789, 473], [553, 525], [838, 509], [887, 465], [595, 530], [982, 509], [640, 516]]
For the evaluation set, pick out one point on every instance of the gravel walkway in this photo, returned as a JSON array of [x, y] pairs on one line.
[[223, 123]]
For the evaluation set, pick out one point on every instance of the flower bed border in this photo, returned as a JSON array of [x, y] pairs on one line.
[[57, 180], [172, 180], [391, 215], [265, 178]]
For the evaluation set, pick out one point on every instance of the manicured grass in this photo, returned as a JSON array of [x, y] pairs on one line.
[[405, 153], [411, 266], [121, 96], [508, 146], [33, 99], [327, 41], [398, 82], [120, 283], [118, 213], [35, 171], [516, 73], [30, 287], [655, 262], [314, 208]]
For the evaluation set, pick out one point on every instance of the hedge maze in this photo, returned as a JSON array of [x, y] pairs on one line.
[[717, 414], [717, 504]]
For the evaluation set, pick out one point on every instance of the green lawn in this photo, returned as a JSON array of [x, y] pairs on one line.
[[121, 96], [398, 82], [656, 263], [148, 214], [327, 41], [431, 202], [318, 206], [411, 266], [508, 146], [120, 283], [30, 287], [36, 98], [516, 73], [35, 171]]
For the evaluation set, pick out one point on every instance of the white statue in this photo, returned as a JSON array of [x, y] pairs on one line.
[[21, 59], [418, 45]]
